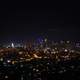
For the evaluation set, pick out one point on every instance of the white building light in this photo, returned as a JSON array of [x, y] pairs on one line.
[[12, 45]]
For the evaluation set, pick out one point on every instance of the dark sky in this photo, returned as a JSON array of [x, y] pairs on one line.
[[23, 23]]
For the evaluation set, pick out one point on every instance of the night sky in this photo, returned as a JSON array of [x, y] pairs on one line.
[[54, 23]]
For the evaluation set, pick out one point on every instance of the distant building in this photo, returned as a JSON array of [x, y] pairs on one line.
[[12, 45]]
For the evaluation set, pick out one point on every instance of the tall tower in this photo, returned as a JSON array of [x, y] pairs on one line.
[[12, 45]]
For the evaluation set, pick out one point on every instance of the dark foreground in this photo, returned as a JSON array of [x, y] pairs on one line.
[[42, 69]]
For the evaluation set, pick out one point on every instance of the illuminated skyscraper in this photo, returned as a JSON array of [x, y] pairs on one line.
[[12, 45]]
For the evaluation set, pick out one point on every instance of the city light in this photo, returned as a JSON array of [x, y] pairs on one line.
[[35, 56], [12, 45], [38, 59]]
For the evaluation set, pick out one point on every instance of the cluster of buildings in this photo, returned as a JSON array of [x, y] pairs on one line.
[[58, 51], [38, 60]]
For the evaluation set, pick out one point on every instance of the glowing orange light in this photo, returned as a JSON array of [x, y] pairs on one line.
[[35, 56]]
